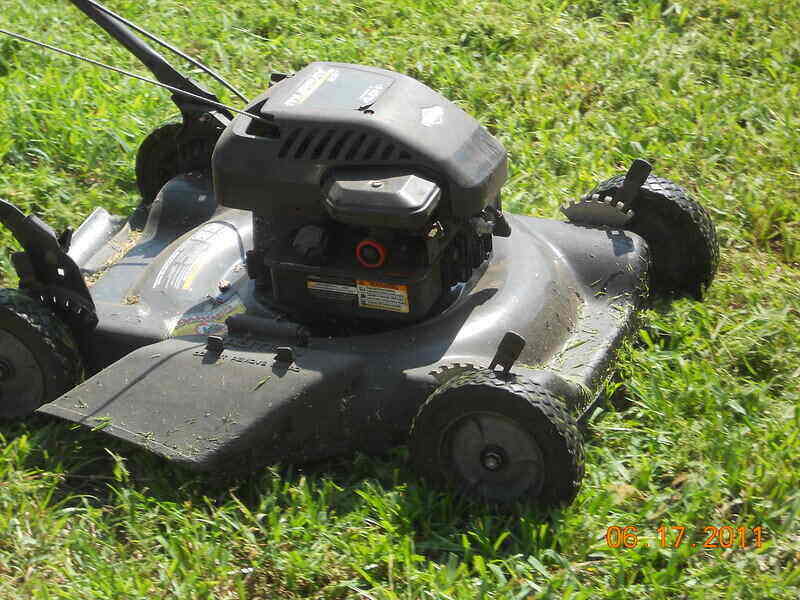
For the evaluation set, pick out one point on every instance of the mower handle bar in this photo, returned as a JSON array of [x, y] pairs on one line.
[[117, 27]]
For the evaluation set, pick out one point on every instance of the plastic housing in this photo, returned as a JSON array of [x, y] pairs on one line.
[[334, 115]]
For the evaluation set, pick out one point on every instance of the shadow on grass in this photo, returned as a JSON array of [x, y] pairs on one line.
[[380, 491]]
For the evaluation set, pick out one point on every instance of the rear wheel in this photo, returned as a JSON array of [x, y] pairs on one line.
[[157, 160], [499, 438], [169, 151], [39, 359]]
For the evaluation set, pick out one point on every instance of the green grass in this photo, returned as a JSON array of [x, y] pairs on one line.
[[708, 90]]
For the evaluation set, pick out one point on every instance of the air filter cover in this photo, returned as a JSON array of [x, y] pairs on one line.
[[381, 198]]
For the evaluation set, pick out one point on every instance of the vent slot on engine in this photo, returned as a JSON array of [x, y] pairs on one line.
[[339, 144], [303, 147], [335, 145], [290, 140]]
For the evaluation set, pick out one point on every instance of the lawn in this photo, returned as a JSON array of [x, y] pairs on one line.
[[706, 431]]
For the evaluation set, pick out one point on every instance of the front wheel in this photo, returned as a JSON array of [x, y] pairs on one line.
[[499, 438], [680, 234]]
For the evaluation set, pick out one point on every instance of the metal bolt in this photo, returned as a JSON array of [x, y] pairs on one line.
[[492, 461]]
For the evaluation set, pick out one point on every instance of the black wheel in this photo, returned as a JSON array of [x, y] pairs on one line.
[[499, 438], [679, 232], [39, 359], [165, 154], [157, 160], [174, 149]]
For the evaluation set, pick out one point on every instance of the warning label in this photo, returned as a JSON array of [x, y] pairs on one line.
[[342, 290], [383, 296]]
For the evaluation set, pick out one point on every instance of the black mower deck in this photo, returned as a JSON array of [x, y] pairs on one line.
[[570, 290]]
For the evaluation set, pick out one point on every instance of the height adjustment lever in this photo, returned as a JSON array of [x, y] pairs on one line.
[[637, 174], [508, 351]]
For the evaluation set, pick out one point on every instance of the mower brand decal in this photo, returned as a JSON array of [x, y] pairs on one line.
[[208, 318], [234, 358], [432, 115], [314, 81], [182, 267], [383, 296]]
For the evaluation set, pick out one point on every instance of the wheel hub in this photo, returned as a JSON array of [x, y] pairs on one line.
[[495, 456]]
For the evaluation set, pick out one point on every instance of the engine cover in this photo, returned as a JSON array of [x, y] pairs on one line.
[[335, 115]]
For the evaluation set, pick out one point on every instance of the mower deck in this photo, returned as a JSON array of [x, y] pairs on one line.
[[571, 291]]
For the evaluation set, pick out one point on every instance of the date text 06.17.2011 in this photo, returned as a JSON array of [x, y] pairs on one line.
[[674, 536]]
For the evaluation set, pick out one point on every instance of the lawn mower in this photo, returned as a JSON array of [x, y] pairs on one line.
[[329, 269]]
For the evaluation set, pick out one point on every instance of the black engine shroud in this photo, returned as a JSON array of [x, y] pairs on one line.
[[363, 185]]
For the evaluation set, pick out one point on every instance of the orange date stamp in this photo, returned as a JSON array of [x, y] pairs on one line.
[[675, 536]]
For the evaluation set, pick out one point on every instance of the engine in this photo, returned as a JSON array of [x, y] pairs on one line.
[[372, 195]]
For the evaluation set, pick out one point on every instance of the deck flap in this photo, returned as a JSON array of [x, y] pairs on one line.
[[178, 400]]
